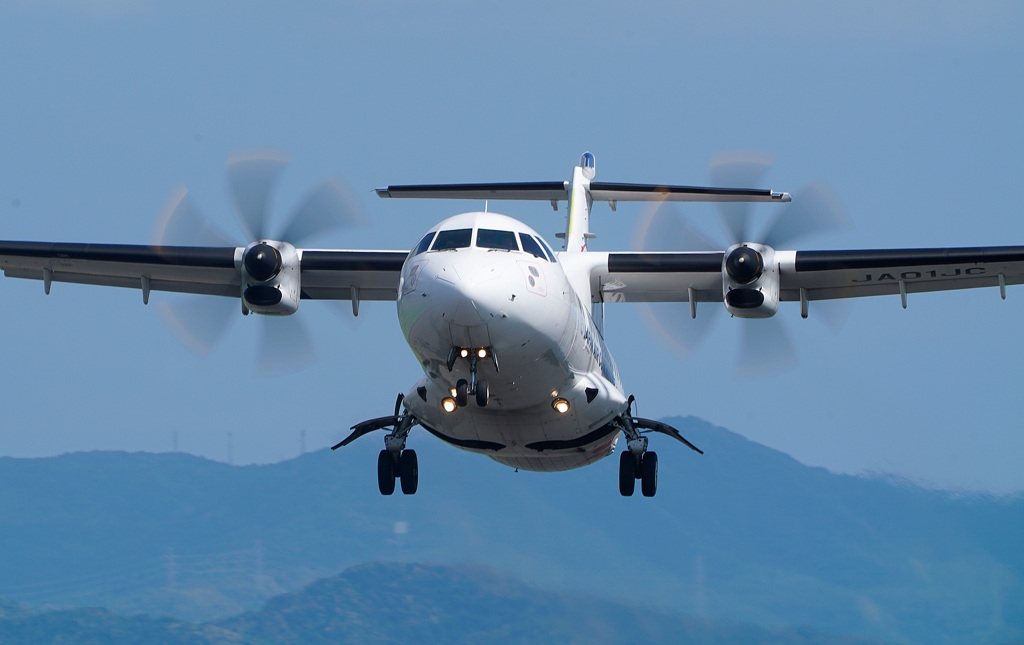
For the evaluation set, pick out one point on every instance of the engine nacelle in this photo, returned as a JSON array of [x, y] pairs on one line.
[[750, 281], [270, 278]]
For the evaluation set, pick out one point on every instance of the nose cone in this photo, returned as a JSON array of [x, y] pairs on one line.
[[473, 293]]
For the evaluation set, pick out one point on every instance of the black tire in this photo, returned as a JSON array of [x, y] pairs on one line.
[[649, 474], [483, 394], [385, 472], [627, 480], [461, 393], [410, 472]]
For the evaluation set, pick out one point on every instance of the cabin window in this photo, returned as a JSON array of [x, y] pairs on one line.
[[454, 239], [531, 246], [487, 238], [424, 244]]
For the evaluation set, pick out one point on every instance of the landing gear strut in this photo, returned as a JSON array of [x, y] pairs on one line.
[[394, 462], [636, 462]]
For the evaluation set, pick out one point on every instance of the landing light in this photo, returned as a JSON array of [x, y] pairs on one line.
[[482, 353], [561, 406], [465, 353], [448, 404]]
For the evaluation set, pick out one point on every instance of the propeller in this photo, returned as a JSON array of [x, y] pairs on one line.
[[201, 322], [765, 346]]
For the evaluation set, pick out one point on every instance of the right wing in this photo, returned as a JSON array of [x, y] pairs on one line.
[[325, 275]]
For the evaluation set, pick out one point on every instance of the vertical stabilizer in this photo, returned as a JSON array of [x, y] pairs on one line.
[[577, 219]]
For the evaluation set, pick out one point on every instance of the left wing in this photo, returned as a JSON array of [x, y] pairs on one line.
[[809, 275], [325, 275]]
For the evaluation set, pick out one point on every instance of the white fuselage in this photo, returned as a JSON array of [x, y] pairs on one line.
[[540, 342]]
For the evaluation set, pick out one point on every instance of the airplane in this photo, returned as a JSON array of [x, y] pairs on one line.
[[508, 331]]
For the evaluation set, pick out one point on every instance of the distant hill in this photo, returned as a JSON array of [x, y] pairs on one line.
[[407, 603], [742, 533]]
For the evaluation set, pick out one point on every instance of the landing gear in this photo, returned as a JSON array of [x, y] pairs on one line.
[[627, 473], [405, 468], [479, 389], [636, 462], [410, 471], [385, 472], [463, 388], [631, 469], [648, 474]]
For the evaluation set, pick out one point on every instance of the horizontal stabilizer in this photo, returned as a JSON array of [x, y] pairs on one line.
[[610, 192], [599, 191], [541, 190]]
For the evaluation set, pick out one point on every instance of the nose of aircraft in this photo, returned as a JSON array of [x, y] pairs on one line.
[[472, 293]]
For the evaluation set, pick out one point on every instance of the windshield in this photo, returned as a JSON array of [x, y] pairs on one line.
[[491, 239], [424, 244], [455, 239]]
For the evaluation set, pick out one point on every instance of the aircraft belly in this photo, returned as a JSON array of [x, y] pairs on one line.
[[536, 438]]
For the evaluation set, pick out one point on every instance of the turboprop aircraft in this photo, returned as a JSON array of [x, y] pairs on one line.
[[509, 332]]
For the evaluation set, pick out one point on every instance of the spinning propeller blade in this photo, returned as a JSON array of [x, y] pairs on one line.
[[201, 322], [765, 345]]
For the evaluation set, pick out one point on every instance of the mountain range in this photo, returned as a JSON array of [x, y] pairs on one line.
[[741, 535]]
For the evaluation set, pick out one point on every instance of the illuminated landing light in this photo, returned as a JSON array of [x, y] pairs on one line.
[[482, 353], [464, 353], [448, 404], [453, 392], [561, 406]]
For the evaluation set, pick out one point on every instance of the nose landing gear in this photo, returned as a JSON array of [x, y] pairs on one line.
[[479, 389]]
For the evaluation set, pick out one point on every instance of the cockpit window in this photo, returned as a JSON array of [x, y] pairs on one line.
[[454, 239], [547, 249], [487, 238], [424, 244], [531, 246]]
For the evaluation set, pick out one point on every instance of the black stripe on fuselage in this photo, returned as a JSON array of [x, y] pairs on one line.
[[472, 444], [876, 259], [578, 442], [665, 262]]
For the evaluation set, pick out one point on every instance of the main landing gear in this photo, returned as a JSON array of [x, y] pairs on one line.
[[404, 468], [394, 462], [636, 462]]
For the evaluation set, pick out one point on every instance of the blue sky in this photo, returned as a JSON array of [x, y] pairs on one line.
[[909, 110]]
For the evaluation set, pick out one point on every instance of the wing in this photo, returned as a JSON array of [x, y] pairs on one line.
[[825, 275], [325, 275], [813, 275]]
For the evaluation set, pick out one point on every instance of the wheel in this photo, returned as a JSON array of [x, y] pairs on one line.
[[461, 393], [627, 481], [386, 472], [410, 471], [483, 394], [649, 474]]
